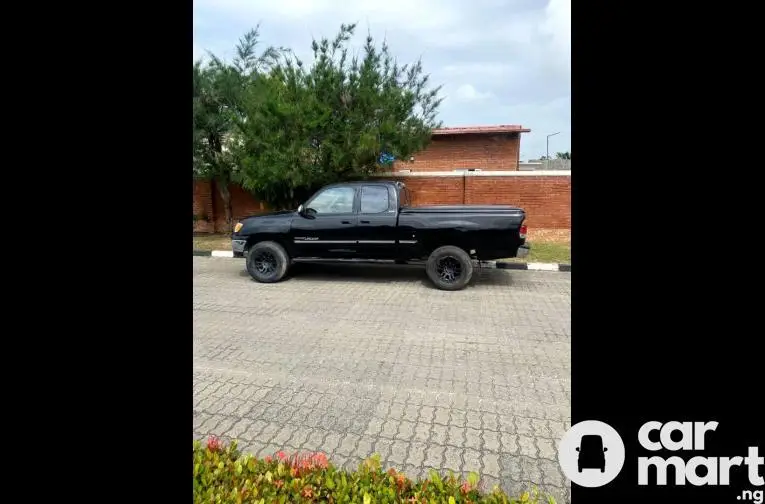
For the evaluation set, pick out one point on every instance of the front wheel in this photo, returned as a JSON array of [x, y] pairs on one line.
[[449, 268], [267, 262]]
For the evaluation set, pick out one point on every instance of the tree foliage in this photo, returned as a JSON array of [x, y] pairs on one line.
[[217, 94], [302, 126], [563, 155]]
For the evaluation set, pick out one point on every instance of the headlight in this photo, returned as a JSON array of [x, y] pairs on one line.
[[238, 227]]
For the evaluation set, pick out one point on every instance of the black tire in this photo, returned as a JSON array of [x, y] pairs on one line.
[[449, 268], [267, 262]]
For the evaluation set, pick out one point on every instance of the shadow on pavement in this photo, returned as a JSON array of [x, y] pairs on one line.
[[383, 273]]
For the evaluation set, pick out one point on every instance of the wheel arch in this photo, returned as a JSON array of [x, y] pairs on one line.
[[455, 239], [274, 237]]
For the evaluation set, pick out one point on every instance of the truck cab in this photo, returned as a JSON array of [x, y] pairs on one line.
[[350, 220]]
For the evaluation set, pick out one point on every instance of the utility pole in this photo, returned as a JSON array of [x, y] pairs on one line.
[[547, 159]]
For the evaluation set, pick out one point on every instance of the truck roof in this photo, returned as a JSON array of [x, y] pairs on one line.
[[370, 182]]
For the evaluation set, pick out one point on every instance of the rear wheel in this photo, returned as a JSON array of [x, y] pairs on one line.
[[449, 268], [267, 262]]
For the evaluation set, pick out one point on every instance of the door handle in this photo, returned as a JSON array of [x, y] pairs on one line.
[[365, 222], [346, 222]]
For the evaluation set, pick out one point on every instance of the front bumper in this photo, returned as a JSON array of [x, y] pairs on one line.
[[238, 247], [523, 250]]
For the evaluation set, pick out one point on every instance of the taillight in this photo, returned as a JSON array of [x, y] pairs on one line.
[[522, 232]]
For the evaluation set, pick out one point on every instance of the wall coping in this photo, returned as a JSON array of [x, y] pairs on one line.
[[488, 173]]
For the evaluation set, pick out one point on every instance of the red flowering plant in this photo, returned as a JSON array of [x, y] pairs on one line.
[[224, 475], [214, 444]]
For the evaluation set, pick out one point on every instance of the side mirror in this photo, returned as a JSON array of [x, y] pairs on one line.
[[308, 213], [605, 449], [577, 448]]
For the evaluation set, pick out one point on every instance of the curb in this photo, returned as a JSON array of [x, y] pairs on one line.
[[485, 264], [528, 266]]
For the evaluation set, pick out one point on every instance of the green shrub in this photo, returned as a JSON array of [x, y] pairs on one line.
[[223, 475]]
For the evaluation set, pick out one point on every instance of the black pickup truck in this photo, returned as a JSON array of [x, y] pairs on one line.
[[374, 220]]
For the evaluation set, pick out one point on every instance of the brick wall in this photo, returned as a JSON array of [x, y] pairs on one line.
[[203, 207], [435, 190], [546, 198], [242, 205], [454, 152], [208, 204]]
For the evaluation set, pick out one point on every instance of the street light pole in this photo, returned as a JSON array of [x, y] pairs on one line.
[[547, 158]]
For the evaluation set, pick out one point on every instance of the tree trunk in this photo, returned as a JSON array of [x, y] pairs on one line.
[[225, 195]]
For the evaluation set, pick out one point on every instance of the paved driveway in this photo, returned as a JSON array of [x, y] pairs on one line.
[[352, 360]]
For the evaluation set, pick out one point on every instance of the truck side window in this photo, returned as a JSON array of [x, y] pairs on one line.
[[392, 204], [334, 200], [374, 199]]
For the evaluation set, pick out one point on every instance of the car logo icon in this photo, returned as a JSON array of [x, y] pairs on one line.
[[591, 453]]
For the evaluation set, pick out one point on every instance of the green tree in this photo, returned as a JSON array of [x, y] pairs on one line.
[[217, 93], [563, 155], [304, 127]]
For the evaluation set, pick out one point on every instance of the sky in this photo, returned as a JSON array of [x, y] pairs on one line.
[[499, 61]]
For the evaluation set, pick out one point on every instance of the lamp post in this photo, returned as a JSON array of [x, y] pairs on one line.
[[547, 158]]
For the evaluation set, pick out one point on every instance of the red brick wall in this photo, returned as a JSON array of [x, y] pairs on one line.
[[546, 199], [435, 190], [209, 203], [454, 152], [243, 204], [203, 207]]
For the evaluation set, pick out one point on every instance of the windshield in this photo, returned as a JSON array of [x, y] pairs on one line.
[[591, 443]]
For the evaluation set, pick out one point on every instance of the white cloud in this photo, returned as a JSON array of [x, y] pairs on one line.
[[557, 25], [467, 93], [285, 8], [401, 14], [483, 70]]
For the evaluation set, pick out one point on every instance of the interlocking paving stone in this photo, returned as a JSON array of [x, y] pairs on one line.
[[352, 360]]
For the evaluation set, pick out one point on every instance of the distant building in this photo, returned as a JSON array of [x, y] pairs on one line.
[[485, 148], [541, 164]]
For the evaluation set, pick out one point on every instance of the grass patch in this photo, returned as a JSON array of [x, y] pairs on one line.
[[550, 235], [212, 242], [546, 252]]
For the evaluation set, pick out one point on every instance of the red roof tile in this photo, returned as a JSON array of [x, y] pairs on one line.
[[479, 130]]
